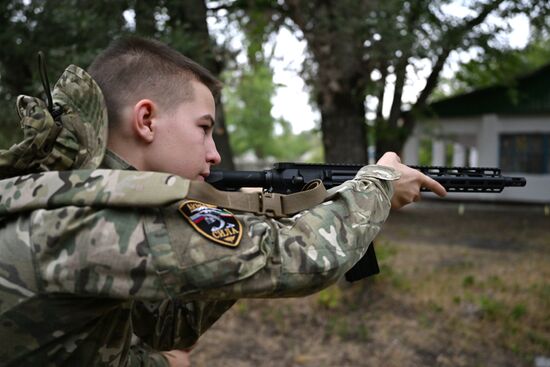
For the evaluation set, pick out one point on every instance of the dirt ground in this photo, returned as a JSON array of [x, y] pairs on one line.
[[460, 285]]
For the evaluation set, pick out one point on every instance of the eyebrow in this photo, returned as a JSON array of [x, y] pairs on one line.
[[209, 118]]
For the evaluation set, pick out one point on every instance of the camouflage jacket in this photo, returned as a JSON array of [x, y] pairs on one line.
[[93, 259]]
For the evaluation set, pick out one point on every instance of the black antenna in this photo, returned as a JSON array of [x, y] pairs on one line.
[[55, 110]]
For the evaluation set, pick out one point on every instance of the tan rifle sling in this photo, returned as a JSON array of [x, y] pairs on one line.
[[270, 204]]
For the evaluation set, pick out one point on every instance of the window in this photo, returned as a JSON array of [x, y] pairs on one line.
[[529, 153]]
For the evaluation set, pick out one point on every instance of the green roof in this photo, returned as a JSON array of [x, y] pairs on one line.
[[529, 95]]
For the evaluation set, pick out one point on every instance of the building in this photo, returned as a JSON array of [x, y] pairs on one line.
[[499, 126]]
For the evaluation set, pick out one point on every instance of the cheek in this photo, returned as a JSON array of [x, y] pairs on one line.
[[190, 150], [183, 149], [188, 136], [178, 138]]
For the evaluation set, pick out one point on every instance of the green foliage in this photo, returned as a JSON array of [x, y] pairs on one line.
[[242, 307], [518, 311], [385, 251], [252, 128], [330, 298], [338, 325], [425, 152], [248, 94], [346, 328], [248, 112], [491, 308], [539, 338], [468, 281], [434, 307], [542, 291], [497, 67], [449, 154], [305, 146], [10, 132], [60, 29]]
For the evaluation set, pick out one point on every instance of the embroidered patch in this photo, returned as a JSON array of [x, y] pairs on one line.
[[216, 224]]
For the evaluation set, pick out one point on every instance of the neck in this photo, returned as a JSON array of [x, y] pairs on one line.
[[127, 150]]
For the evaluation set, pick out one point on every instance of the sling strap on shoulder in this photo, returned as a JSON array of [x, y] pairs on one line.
[[121, 188], [270, 204]]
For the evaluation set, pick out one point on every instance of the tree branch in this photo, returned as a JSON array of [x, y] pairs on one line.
[[451, 40]]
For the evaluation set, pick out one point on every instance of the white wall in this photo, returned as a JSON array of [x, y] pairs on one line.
[[481, 135]]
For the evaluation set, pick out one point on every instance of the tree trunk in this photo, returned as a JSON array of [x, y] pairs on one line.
[[390, 133], [343, 126], [221, 138], [390, 139], [341, 74]]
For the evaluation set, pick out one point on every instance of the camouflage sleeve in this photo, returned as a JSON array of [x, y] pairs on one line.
[[152, 254], [155, 254], [275, 258]]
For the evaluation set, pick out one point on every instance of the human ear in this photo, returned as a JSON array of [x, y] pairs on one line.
[[143, 127]]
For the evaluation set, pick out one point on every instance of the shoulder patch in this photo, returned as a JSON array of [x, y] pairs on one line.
[[216, 224]]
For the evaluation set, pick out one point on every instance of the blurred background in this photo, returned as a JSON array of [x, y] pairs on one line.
[[442, 82]]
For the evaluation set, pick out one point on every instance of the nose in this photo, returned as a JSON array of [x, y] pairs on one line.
[[212, 155]]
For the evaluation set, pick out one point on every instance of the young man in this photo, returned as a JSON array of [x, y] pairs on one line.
[[117, 266]]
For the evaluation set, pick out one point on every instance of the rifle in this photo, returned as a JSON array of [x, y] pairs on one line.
[[287, 178]]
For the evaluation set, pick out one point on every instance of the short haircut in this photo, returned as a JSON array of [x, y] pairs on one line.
[[134, 68]]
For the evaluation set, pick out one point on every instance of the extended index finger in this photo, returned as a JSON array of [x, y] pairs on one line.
[[434, 186]]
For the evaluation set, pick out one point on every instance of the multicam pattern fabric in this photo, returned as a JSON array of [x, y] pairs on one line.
[[79, 250], [76, 141]]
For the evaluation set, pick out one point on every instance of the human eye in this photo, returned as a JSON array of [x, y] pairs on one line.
[[206, 127], [206, 124]]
